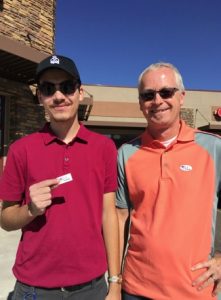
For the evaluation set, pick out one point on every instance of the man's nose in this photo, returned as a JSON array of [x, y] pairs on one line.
[[58, 94], [158, 99]]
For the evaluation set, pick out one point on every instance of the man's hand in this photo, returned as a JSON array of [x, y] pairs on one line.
[[41, 198], [114, 292], [212, 275]]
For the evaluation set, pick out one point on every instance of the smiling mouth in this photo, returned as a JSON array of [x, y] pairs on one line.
[[154, 111], [60, 106]]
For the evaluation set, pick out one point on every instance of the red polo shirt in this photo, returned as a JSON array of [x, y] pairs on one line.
[[65, 245]]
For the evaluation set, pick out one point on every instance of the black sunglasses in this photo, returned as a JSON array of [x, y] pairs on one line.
[[165, 93], [66, 87]]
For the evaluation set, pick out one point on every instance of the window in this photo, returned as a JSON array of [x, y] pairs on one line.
[[1, 5]]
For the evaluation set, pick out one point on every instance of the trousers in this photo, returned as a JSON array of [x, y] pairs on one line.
[[95, 290], [126, 296]]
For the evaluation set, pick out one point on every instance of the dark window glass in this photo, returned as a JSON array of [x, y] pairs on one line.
[[2, 122]]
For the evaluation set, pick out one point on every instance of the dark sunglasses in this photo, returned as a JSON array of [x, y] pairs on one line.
[[164, 93], [66, 87]]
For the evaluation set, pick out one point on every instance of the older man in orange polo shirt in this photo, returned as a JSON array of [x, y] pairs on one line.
[[169, 182]]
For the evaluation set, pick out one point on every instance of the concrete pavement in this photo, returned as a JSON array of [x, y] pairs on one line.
[[8, 247]]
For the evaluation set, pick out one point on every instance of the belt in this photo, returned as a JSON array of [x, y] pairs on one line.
[[70, 288], [76, 287]]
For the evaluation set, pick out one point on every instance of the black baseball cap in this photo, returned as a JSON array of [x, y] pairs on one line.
[[57, 62]]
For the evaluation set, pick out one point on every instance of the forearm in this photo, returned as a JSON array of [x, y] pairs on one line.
[[123, 215], [14, 217], [111, 240]]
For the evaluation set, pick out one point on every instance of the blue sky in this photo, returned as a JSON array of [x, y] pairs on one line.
[[113, 41]]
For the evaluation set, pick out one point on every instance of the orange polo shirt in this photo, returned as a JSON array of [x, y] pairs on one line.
[[172, 194]]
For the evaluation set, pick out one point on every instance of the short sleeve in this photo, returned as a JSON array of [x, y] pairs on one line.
[[110, 156], [122, 195], [12, 181]]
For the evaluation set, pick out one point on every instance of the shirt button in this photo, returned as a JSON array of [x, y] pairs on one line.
[[66, 159]]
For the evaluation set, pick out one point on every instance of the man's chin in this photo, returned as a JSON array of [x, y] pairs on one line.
[[60, 119], [63, 119], [159, 123]]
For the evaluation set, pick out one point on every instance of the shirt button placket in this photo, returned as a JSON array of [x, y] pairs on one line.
[[164, 165], [66, 158]]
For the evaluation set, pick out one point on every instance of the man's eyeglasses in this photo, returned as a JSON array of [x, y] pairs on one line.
[[67, 87], [165, 93]]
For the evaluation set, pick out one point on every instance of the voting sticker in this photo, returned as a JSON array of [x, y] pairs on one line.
[[65, 178]]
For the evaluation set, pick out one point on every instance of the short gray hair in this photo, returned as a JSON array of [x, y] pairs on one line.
[[158, 65]]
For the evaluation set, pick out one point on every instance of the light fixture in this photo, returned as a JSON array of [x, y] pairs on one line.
[[217, 113]]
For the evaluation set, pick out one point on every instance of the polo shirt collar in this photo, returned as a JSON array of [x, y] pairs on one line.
[[186, 134], [49, 136]]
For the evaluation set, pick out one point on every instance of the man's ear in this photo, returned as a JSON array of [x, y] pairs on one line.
[[81, 93], [182, 96], [38, 96], [140, 104]]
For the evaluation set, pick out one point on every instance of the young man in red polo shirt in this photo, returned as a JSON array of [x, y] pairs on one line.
[[58, 187], [169, 183]]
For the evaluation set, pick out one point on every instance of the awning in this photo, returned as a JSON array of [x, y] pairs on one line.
[[18, 61], [215, 125]]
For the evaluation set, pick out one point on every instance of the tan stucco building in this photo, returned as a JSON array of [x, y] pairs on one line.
[[115, 111]]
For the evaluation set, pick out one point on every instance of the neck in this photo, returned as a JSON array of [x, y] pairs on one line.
[[164, 134], [65, 131]]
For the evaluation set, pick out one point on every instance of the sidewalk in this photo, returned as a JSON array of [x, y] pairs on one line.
[[8, 247]]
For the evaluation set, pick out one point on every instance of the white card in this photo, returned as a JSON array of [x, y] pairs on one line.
[[65, 178]]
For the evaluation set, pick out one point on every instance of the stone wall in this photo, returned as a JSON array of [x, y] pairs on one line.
[[30, 22], [25, 115], [188, 115]]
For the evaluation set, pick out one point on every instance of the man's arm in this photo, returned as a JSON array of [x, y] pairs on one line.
[[111, 240], [123, 218], [14, 216]]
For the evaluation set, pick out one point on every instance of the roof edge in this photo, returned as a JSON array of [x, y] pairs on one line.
[[21, 50]]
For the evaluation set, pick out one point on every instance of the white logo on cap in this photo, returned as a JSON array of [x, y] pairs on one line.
[[186, 168], [54, 60]]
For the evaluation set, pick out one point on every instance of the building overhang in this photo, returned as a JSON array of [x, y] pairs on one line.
[[84, 108], [18, 61], [215, 125], [117, 124]]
